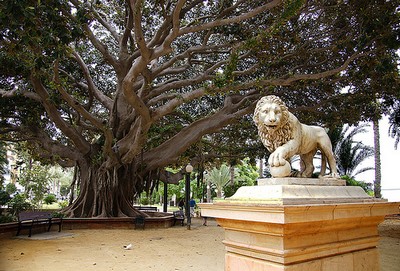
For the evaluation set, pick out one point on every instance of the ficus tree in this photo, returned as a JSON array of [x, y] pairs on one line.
[[122, 89]]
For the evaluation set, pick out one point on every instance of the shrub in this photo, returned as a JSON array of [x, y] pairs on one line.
[[58, 214], [352, 182], [4, 197], [6, 218], [144, 201], [50, 199], [19, 203], [63, 204]]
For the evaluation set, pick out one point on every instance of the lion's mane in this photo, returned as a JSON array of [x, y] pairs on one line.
[[284, 131]]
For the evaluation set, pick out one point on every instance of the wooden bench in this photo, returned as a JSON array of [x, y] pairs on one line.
[[147, 208], [26, 220], [179, 216]]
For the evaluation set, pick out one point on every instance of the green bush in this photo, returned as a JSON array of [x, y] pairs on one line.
[[63, 204], [144, 201], [352, 182], [4, 197], [50, 199], [58, 214], [11, 188], [6, 218], [19, 203]]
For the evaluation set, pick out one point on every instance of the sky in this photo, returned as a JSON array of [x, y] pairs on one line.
[[390, 159]]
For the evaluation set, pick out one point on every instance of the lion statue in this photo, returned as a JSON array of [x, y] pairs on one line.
[[284, 136]]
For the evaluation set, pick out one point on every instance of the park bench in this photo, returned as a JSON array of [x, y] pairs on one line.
[[179, 216], [26, 220], [147, 208]]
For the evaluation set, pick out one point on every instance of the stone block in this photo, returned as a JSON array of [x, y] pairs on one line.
[[297, 227]]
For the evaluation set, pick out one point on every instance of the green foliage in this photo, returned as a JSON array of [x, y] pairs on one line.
[[19, 203], [34, 30], [352, 182], [394, 123], [35, 180], [3, 161], [63, 204], [349, 152], [219, 177], [226, 77], [290, 9], [6, 218], [145, 200], [11, 188], [4, 197], [246, 174], [58, 214], [65, 189], [50, 199]]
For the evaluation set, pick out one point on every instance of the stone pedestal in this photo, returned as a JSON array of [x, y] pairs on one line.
[[300, 227]]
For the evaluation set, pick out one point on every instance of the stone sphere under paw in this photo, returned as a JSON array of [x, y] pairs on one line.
[[281, 171]]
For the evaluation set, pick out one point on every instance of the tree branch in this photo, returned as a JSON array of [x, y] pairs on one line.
[[235, 19], [104, 99], [84, 113], [136, 7], [127, 32], [55, 116], [169, 151]]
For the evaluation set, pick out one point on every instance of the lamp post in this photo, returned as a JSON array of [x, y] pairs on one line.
[[165, 197], [189, 169]]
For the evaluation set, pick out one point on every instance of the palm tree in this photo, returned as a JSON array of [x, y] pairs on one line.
[[219, 177], [350, 153], [394, 124], [377, 156]]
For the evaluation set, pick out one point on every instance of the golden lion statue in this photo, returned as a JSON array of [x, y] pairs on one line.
[[284, 136]]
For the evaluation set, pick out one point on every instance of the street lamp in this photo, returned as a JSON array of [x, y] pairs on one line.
[[189, 169], [165, 207]]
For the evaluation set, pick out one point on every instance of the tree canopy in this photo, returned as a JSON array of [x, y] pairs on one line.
[[121, 89]]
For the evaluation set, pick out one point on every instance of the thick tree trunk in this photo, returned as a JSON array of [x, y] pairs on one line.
[[378, 175], [105, 193], [232, 175]]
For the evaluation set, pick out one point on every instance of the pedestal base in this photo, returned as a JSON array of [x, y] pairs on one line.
[[365, 260], [261, 235]]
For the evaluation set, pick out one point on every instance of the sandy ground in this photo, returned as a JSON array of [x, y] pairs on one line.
[[170, 249]]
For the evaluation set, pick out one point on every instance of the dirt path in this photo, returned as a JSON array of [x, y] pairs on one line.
[[389, 245], [153, 249]]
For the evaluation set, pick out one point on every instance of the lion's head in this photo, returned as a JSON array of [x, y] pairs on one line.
[[271, 118]]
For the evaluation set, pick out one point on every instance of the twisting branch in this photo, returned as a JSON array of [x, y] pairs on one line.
[[83, 112], [170, 150], [288, 80], [235, 19], [166, 45], [127, 32], [55, 116], [177, 101], [136, 7], [106, 101], [106, 25]]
